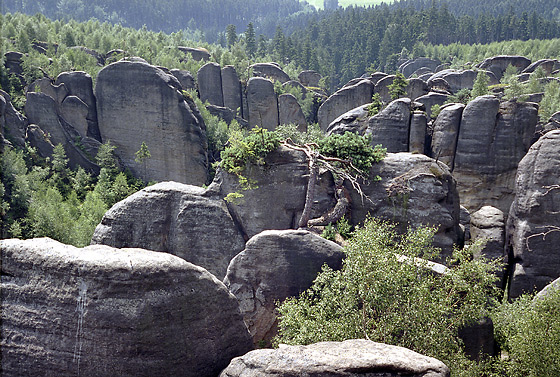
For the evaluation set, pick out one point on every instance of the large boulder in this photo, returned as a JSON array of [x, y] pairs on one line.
[[493, 137], [445, 131], [197, 53], [12, 123], [209, 78], [179, 219], [355, 120], [100, 311], [231, 89], [411, 66], [488, 223], [498, 64], [532, 228], [80, 84], [382, 88], [414, 190], [416, 88], [275, 265], [309, 78], [344, 100], [290, 112], [432, 99], [136, 103], [185, 78], [262, 103], [547, 65], [459, 79], [418, 129], [391, 126], [351, 358], [279, 198], [270, 71]]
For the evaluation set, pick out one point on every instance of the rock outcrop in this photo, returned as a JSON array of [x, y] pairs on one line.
[[290, 112], [445, 131], [344, 100], [275, 265], [488, 223], [158, 115], [532, 227], [12, 123], [185, 78], [262, 103], [309, 78], [179, 219], [100, 311], [351, 358], [209, 78], [411, 66], [391, 126], [270, 71], [197, 53], [498, 64], [231, 89]]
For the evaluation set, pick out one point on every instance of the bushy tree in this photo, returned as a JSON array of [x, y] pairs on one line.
[[550, 103], [397, 89], [386, 292], [480, 86]]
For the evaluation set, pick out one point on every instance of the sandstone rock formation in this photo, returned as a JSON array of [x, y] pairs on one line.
[[262, 103], [179, 219], [493, 137], [290, 112], [344, 100], [351, 358], [12, 123], [430, 100], [158, 115], [275, 265], [459, 79], [445, 131], [309, 78], [231, 89], [270, 71], [100, 311], [185, 78], [355, 120], [417, 133], [196, 53], [498, 64], [488, 223], [413, 190], [410, 66], [391, 126], [209, 78], [532, 226]]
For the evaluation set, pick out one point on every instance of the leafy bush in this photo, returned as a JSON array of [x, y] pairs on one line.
[[529, 331], [353, 147], [385, 293], [314, 133], [550, 102]]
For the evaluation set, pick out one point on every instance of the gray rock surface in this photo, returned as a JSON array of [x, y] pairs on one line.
[[498, 64], [391, 126], [209, 78], [290, 112], [278, 201], [416, 88], [459, 79], [275, 265], [262, 103], [382, 88], [309, 78], [548, 65], [432, 99], [39, 140], [534, 256], [410, 66], [355, 120], [417, 136], [100, 311], [351, 358], [185, 78], [175, 218], [489, 223], [158, 115], [196, 53], [414, 190], [493, 138], [548, 290], [75, 111], [231, 89], [445, 133], [344, 100], [12, 123], [270, 71]]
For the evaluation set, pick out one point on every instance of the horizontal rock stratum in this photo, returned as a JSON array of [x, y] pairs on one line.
[[101, 311]]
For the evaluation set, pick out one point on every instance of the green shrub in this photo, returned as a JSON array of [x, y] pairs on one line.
[[398, 88], [385, 293], [353, 147], [375, 106], [529, 332]]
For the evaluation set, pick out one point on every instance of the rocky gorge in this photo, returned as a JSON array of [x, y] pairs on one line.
[[178, 281]]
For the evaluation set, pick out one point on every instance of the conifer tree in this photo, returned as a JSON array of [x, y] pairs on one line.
[[250, 40]]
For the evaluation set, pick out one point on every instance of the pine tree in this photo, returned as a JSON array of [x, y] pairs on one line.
[[250, 40], [480, 86], [231, 35]]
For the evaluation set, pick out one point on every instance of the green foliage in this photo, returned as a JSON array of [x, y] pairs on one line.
[[353, 147], [314, 133], [462, 96], [550, 102], [385, 293], [529, 332], [397, 89], [375, 106], [434, 111], [341, 227], [480, 86]]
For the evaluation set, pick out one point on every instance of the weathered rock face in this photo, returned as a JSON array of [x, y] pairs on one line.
[[290, 112], [489, 223], [12, 123], [548, 290], [231, 89], [344, 100], [534, 212], [390, 127], [275, 265], [178, 219], [39, 140], [498, 64], [413, 190], [445, 133], [416, 88], [100, 311], [410, 66], [209, 78], [271, 71], [278, 201], [458, 80], [382, 88], [355, 120], [185, 78], [432, 99], [417, 136], [548, 65], [309, 78], [492, 139], [351, 358], [196, 53], [262, 103], [157, 115], [80, 85]]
